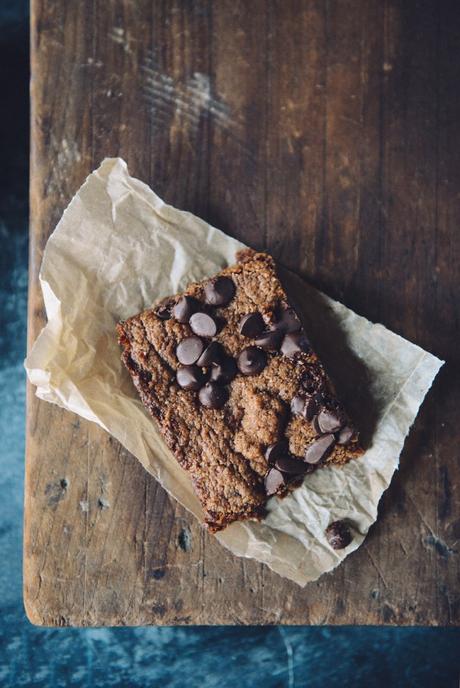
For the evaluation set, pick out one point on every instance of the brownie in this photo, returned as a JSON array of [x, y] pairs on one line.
[[240, 397]]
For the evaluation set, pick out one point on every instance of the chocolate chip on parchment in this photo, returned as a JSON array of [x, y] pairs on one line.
[[270, 340], [328, 421], [286, 320], [290, 465], [184, 308], [294, 343], [213, 353], [212, 395], [276, 451], [189, 350], [163, 309], [219, 291], [273, 481], [251, 325], [225, 371], [190, 377], [345, 435], [338, 535], [252, 361], [203, 325], [319, 449]]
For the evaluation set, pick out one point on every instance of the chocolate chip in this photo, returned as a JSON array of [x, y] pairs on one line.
[[225, 371], [311, 407], [189, 350], [316, 426], [213, 353], [273, 481], [286, 320], [304, 406], [338, 535], [276, 451], [294, 343], [163, 310], [345, 435], [251, 325], [298, 405], [270, 340], [287, 464], [219, 291], [190, 377], [203, 325], [319, 449], [328, 421], [184, 308], [252, 361], [212, 395]]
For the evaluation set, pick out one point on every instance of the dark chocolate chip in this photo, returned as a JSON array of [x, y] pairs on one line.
[[252, 361], [213, 353], [203, 325], [212, 395], [305, 406], [286, 320], [189, 350], [276, 451], [311, 407], [163, 310], [225, 371], [298, 405], [338, 535], [270, 340], [328, 421], [190, 377], [184, 308], [251, 325], [319, 449], [219, 291], [273, 481], [294, 343], [287, 464], [345, 435]]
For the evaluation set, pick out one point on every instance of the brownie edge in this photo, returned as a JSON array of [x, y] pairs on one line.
[[227, 372]]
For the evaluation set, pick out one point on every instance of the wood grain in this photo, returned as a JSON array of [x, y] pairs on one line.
[[326, 132]]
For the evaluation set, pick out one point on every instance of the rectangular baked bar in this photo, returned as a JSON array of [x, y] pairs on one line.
[[227, 372]]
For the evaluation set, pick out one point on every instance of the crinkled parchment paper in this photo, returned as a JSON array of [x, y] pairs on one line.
[[117, 249]]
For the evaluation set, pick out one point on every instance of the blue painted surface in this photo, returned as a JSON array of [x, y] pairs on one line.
[[175, 657]]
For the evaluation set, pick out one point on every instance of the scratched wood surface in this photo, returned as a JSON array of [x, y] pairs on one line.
[[326, 132]]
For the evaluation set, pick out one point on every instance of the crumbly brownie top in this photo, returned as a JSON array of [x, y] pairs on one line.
[[244, 403]]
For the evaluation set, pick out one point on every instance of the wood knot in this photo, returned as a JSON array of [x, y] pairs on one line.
[[184, 539]]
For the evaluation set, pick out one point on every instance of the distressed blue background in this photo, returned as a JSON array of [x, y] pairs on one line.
[[176, 657]]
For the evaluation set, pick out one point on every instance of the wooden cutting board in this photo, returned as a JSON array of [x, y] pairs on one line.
[[327, 133]]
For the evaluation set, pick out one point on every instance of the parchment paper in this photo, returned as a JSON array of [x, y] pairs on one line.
[[117, 249]]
